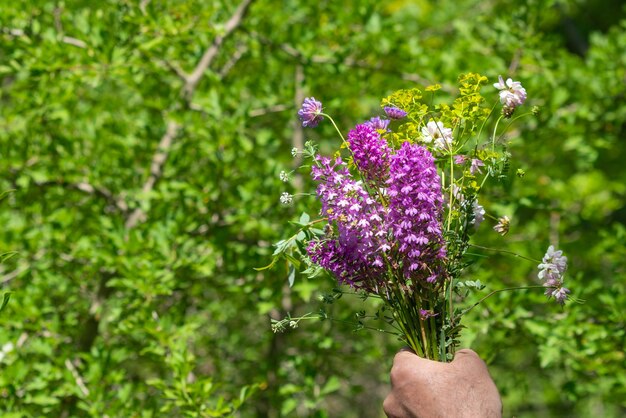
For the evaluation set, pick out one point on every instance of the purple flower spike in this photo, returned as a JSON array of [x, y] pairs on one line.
[[354, 253], [310, 112], [415, 211], [395, 112], [378, 124], [371, 152]]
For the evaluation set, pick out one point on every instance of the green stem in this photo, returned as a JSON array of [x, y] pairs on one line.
[[336, 128], [493, 292], [505, 252], [493, 138]]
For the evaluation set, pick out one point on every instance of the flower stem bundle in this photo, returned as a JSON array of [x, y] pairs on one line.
[[399, 208]]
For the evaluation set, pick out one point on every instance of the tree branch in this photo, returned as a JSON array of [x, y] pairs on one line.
[[77, 377], [156, 169], [209, 55]]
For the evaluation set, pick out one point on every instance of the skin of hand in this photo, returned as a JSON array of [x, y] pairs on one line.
[[422, 388]]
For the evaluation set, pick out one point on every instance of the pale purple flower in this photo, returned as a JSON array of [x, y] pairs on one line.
[[370, 152], [553, 265], [479, 214], [395, 112], [460, 159], [310, 112], [435, 131], [475, 167], [378, 124], [551, 270], [415, 211], [512, 94], [558, 293]]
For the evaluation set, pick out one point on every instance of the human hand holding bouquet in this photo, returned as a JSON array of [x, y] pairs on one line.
[[400, 206]]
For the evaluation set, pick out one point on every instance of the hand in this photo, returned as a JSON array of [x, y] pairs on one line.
[[423, 388]]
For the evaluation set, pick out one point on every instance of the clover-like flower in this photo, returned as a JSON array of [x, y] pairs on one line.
[[378, 124], [503, 225], [551, 270], [479, 214], [311, 112], [395, 112], [512, 94], [435, 131]]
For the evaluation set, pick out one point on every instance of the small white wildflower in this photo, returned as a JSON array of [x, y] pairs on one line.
[[286, 198], [284, 177], [6, 349], [293, 324], [294, 152], [435, 131]]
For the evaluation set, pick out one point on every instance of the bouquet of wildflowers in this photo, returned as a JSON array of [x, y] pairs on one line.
[[400, 202]]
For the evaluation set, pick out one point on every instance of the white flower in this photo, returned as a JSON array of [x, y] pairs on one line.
[[294, 152], [512, 94], [284, 177], [286, 198], [439, 133]]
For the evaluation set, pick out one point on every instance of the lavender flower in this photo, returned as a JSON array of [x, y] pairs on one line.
[[512, 94], [395, 112], [435, 131], [310, 112], [551, 270], [370, 151], [415, 210], [460, 159], [476, 164], [355, 254], [479, 214], [553, 265], [378, 124]]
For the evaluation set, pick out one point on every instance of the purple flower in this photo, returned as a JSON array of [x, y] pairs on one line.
[[354, 253], [415, 211], [378, 124], [371, 153], [394, 112], [310, 112]]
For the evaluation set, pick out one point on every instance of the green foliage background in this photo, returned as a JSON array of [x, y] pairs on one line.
[[143, 197]]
